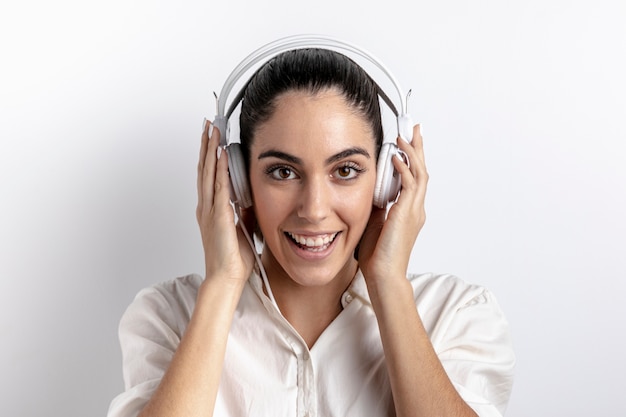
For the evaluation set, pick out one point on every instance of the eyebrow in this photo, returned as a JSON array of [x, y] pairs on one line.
[[281, 155], [297, 161], [348, 152]]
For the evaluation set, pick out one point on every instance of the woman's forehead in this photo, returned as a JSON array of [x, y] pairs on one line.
[[321, 122]]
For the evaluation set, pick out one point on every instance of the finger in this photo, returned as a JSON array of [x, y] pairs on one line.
[[206, 176], [408, 156], [418, 141], [221, 192], [422, 172], [414, 161], [204, 139], [410, 205], [416, 148], [414, 180]]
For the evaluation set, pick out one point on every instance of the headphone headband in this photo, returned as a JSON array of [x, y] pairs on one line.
[[299, 42]]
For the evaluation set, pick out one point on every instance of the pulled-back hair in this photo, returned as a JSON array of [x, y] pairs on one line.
[[309, 70]]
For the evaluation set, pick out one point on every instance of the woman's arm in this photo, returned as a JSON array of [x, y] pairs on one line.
[[190, 384], [419, 384]]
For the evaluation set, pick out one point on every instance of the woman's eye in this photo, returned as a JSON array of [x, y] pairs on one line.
[[282, 173], [348, 172]]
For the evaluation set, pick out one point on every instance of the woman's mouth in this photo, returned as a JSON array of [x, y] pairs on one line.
[[317, 243]]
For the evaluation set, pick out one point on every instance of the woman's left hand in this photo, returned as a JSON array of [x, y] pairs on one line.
[[386, 245]]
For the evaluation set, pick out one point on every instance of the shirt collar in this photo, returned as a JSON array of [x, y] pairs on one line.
[[356, 290]]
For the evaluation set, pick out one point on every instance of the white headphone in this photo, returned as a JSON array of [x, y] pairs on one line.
[[387, 179]]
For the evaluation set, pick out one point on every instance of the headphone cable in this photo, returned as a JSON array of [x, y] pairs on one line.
[[266, 282]]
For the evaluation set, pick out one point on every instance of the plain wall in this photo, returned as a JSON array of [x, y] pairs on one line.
[[523, 109]]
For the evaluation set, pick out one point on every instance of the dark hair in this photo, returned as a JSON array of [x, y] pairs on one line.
[[310, 70]]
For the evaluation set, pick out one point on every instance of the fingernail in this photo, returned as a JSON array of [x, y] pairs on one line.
[[203, 125], [210, 129], [403, 157]]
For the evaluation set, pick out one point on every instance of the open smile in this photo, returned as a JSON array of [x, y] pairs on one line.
[[317, 243]]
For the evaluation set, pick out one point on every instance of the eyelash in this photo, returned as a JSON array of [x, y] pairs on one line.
[[273, 170], [356, 170]]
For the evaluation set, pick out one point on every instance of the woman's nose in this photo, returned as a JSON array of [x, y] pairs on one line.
[[315, 200]]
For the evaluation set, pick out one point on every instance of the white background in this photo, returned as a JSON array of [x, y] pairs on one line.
[[523, 107]]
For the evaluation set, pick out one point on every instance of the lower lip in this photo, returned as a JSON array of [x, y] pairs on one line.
[[312, 255]]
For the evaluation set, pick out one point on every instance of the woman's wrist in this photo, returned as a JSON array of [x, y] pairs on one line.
[[389, 291], [224, 286]]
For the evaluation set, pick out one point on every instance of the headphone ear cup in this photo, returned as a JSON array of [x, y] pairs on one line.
[[240, 189], [387, 179]]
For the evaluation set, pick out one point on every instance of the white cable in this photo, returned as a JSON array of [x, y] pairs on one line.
[[258, 262]]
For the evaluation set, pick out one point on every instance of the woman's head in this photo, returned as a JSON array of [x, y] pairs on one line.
[[307, 70], [311, 132]]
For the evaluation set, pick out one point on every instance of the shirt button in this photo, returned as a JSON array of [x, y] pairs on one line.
[[347, 299]]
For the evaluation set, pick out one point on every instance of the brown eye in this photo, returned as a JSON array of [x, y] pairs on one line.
[[281, 173], [348, 171], [344, 172]]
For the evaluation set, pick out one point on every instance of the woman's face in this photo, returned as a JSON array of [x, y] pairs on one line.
[[312, 174]]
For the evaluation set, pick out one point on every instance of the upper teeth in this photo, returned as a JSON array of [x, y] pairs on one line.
[[313, 241]]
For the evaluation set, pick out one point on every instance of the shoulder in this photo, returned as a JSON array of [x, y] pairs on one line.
[[445, 300], [470, 333], [447, 289], [168, 303], [178, 290]]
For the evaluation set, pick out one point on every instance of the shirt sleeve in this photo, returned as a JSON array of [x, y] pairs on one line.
[[476, 352], [149, 332]]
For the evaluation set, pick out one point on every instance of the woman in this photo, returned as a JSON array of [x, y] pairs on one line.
[[338, 330]]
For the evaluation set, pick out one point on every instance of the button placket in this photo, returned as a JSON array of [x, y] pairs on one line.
[[305, 379], [311, 389]]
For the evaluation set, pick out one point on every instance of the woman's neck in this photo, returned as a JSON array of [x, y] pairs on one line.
[[309, 309]]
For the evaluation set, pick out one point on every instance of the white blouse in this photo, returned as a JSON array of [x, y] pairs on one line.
[[269, 370]]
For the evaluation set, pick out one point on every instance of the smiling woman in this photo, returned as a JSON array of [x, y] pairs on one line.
[[324, 184], [325, 322]]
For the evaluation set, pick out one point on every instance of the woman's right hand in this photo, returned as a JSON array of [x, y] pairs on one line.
[[227, 254]]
